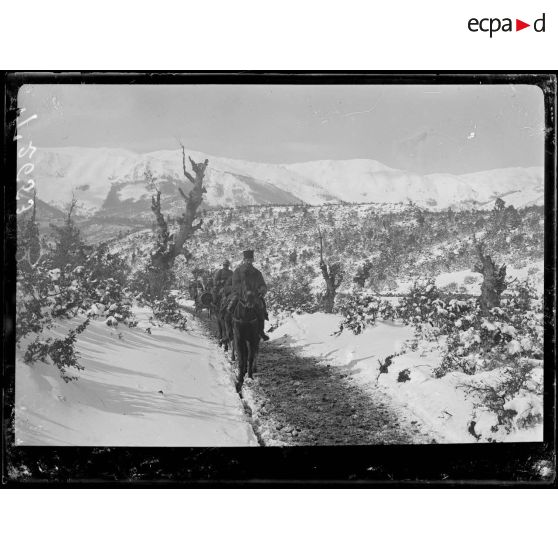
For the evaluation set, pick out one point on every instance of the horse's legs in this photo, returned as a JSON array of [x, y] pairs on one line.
[[236, 345], [253, 347], [224, 338], [250, 359], [241, 352], [229, 334]]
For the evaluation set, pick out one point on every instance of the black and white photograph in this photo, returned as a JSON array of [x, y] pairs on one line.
[[279, 264]]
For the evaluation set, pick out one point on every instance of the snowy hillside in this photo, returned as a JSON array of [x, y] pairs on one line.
[[380, 250], [160, 387], [109, 181]]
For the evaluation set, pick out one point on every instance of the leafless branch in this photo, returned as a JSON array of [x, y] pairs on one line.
[[71, 206], [186, 173]]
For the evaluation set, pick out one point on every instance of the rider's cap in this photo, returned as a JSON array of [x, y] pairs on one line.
[[248, 254]]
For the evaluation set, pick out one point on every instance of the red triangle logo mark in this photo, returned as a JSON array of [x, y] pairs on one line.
[[519, 25]]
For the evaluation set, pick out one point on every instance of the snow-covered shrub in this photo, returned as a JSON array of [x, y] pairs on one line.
[[421, 303], [99, 283], [383, 367], [404, 375], [514, 396], [509, 333], [149, 282], [32, 300], [61, 352], [64, 279], [425, 307], [467, 364], [291, 292], [33, 280], [103, 264], [168, 310], [388, 310], [434, 313], [38, 302], [359, 310]]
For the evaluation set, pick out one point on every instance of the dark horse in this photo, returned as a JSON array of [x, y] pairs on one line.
[[224, 323], [246, 336]]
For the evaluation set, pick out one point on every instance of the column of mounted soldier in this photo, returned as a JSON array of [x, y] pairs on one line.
[[245, 283]]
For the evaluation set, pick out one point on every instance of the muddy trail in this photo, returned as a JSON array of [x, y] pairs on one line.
[[296, 401]]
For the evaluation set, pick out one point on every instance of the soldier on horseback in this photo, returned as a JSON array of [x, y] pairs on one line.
[[224, 317], [221, 283], [246, 278], [221, 278]]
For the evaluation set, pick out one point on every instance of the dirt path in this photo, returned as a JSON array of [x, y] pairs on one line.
[[296, 400]]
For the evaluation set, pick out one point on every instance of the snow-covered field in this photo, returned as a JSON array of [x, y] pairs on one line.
[[440, 404], [167, 388]]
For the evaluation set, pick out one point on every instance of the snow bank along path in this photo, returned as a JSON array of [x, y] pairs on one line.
[[167, 388]]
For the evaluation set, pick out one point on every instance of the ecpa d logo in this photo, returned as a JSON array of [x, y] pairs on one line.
[[492, 25]]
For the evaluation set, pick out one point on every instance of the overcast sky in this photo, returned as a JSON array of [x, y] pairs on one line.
[[426, 129]]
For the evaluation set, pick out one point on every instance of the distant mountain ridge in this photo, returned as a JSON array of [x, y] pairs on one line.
[[111, 181]]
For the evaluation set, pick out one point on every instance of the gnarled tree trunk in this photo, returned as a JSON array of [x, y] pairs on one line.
[[168, 246], [494, 280], [332, 276]]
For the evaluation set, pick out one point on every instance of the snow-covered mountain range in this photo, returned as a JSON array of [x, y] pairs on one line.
[[111, 181]]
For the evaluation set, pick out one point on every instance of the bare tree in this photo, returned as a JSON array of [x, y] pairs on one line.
[[71, 206], [168, 246], [494, 279], [332, 275]]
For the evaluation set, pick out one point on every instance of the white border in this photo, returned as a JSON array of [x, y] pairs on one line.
[[273, 34]]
